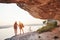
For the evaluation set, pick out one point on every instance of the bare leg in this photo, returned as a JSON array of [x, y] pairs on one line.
[[15, 30], [22, 30]]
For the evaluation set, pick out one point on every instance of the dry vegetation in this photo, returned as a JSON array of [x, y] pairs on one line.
[[48, 27]]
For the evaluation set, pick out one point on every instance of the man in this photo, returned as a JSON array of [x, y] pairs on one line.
[[21, 27]]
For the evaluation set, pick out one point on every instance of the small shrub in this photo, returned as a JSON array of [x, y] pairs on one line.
[[48, 27], [44, 22]]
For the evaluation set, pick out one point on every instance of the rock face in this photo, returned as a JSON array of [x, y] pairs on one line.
[[26, 36], [43, 9]]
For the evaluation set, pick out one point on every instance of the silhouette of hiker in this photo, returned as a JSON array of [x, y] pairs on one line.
[[21, 27], [15, 28]]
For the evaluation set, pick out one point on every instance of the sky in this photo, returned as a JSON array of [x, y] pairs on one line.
[[9, 13]]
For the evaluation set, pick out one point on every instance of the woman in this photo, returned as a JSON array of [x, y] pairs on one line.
[[15, 28]]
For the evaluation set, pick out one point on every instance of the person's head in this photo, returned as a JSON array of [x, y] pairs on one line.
[[15, 22]]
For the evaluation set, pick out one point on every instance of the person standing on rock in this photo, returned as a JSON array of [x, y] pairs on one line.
[[15, 28], [21, 27]]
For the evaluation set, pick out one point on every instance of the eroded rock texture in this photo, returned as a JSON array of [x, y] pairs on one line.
[[43, 9]]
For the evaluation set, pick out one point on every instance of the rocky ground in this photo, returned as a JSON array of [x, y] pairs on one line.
[[54, 34]]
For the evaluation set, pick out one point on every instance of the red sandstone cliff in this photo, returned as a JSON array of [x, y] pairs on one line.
[[43, 9]]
